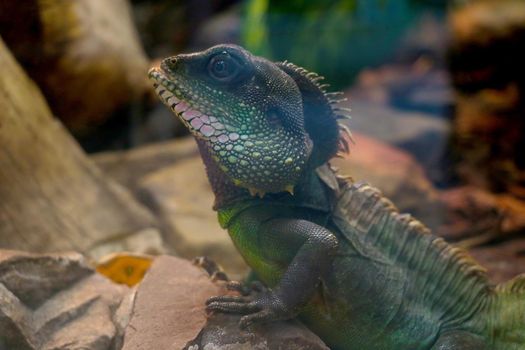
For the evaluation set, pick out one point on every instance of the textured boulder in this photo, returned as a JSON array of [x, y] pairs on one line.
[[131, 166], [222, 333], [169, 314], [58, 302], [169, 306]]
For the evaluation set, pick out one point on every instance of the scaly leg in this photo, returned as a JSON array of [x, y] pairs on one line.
[[316, 248]]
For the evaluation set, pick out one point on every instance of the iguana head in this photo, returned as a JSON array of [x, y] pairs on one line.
[[251, 114]]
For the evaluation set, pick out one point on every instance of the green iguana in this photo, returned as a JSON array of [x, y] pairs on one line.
[[336, 254]]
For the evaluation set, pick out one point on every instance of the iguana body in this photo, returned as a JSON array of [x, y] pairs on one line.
[[337, 255]]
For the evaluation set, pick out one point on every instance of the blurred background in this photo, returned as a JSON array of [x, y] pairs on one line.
[[436, 90]]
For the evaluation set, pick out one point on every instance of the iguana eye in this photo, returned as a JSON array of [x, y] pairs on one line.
[[223, 67]]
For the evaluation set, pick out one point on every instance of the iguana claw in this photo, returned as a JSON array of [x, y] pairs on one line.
[[246, 289], [264, 307], [214, 271]]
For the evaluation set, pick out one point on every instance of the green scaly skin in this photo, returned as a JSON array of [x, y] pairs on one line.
[[335, 254]]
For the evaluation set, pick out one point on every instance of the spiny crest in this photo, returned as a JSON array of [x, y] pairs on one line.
[[459, 256], [403, 237], [333, 99], [514, 286]]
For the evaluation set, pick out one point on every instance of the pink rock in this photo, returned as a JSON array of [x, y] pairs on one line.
[[169, 306]]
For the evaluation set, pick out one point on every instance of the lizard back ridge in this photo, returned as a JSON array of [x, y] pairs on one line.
[[436, 266]]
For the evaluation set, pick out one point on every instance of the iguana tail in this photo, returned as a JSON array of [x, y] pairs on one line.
[[508, 315]]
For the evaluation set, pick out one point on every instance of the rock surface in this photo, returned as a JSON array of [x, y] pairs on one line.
[[58, 302], [169, 306], [222, 333], [169, 314], [129, 167], [391, 125], [170, 179], [420, 134]]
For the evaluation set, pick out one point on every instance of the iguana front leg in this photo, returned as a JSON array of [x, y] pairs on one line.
[[315, 248]]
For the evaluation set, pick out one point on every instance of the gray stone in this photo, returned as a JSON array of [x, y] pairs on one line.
[[222, 333], [35, 278], [146, 241], [129, 167], [57, 302], [422, 135], [394, 126]]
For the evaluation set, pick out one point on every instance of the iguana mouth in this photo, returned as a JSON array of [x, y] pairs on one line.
[[199, 123]]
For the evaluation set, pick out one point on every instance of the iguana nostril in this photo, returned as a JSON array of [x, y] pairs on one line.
[[169, 63]]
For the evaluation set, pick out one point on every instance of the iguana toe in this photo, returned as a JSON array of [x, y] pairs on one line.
[[264, 307], [231, 304], [211, 267], [246, 289]]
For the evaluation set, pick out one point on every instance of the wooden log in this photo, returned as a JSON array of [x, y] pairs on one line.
[[84, 54], [52, 197]]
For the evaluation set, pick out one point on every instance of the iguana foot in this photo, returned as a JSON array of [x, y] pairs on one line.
[[265, 306]]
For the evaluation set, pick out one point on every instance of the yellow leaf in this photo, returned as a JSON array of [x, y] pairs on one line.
[[125, 268]]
